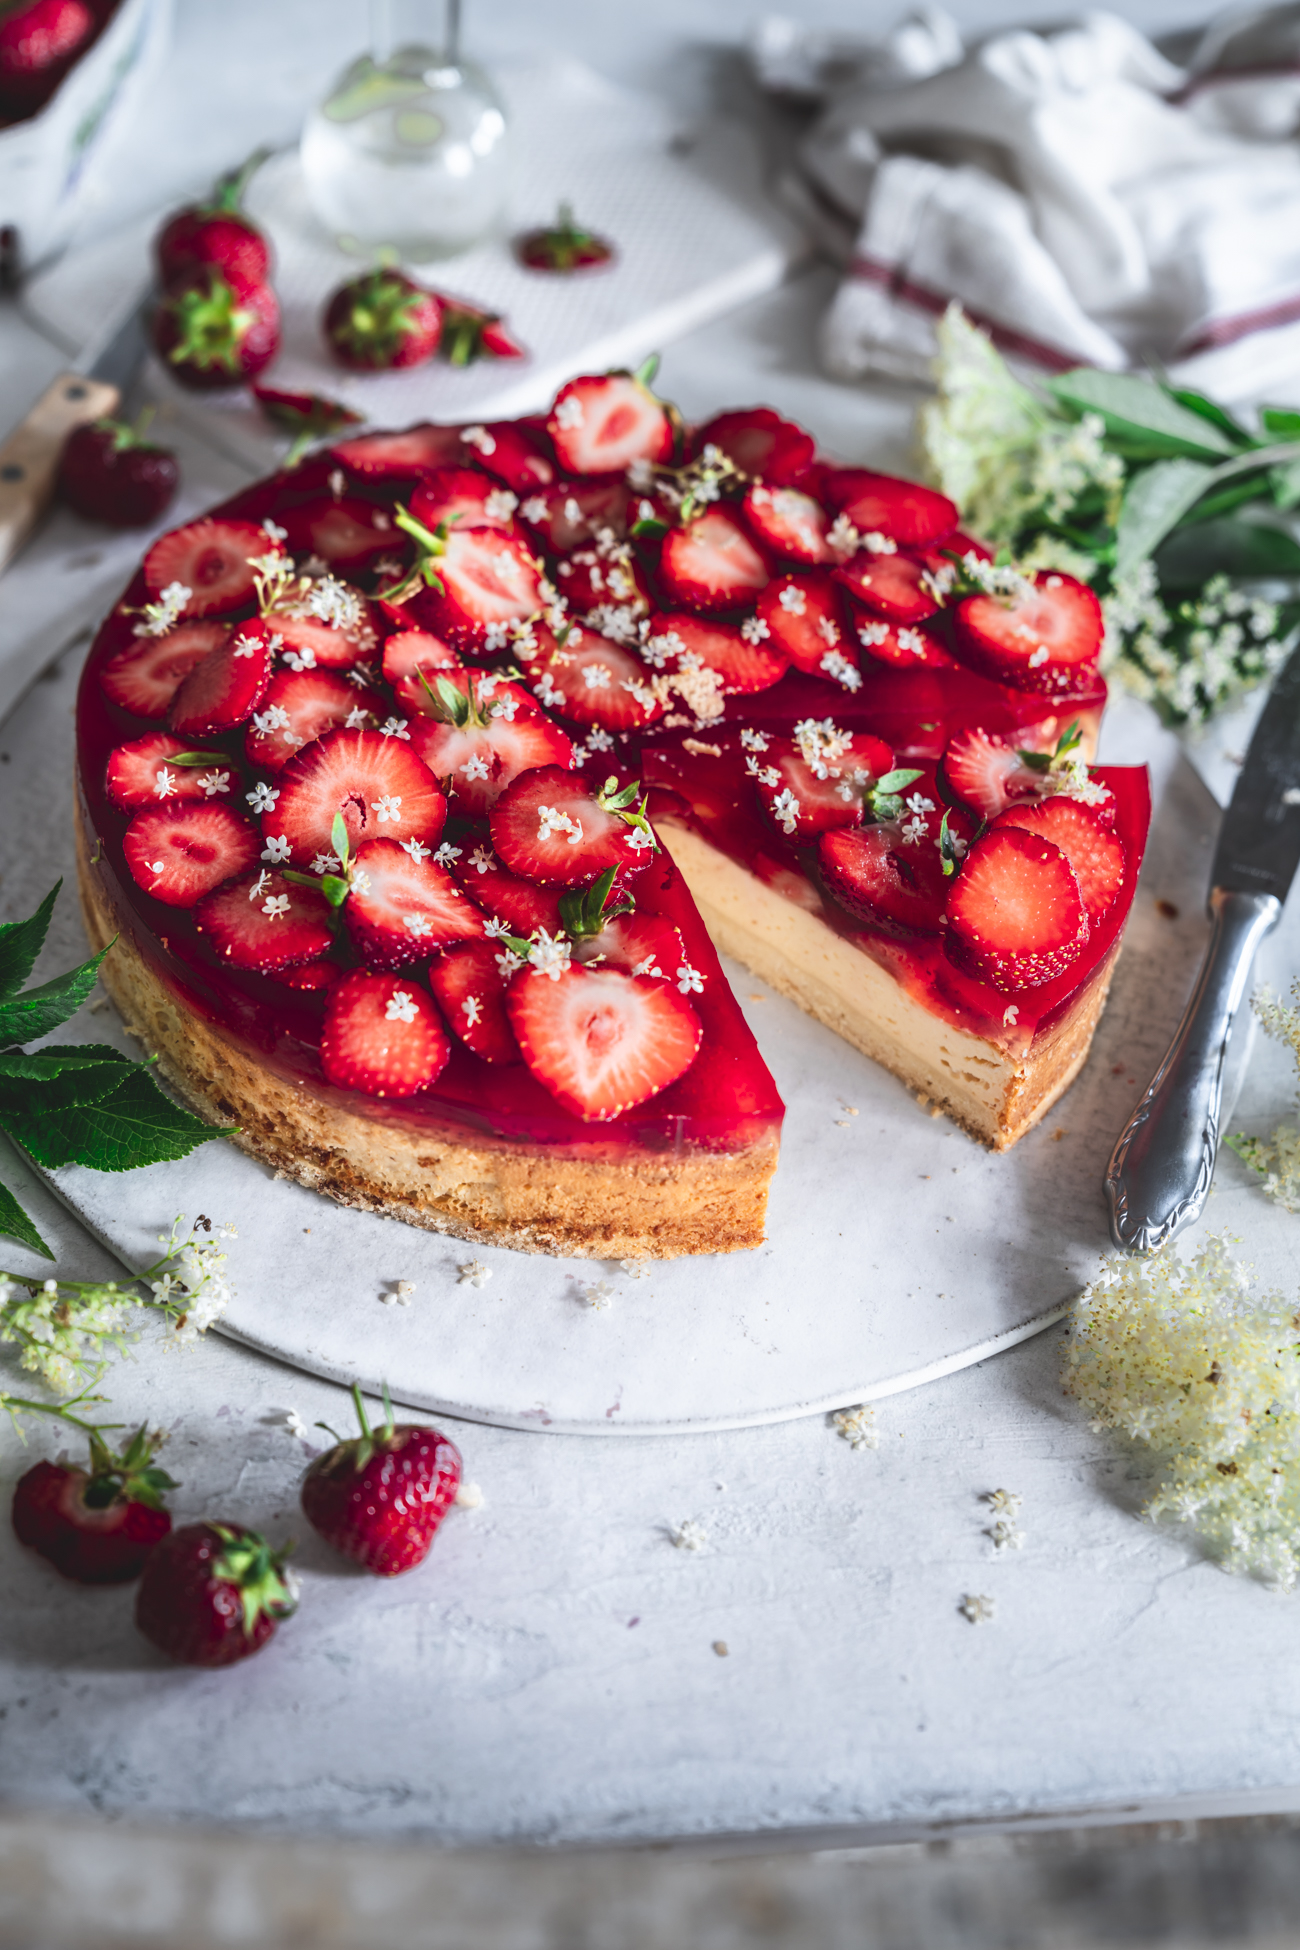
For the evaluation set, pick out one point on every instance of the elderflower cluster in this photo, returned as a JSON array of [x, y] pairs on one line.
[[1006, 459], [1276, 1159], [64, 1330], [1190, 660], [1182, 1357]]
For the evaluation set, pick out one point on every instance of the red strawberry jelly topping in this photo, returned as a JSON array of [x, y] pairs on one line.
[[1016, 917], [549, 826], [145, 677], [383, 1036], [348, 534], [265, 922], [213, 559], [470, 985], [600, 1041], [465, 498], [378, 784], [180, 853]]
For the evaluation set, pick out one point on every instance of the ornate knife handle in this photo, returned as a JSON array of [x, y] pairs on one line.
[[1160, 1171]]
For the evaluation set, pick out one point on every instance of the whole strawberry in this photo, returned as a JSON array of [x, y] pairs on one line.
[[213, 1593], [96, 1525], [216, 232], [109, 472], [380, 1497], [381, 321], [38, 44], [210, 332]]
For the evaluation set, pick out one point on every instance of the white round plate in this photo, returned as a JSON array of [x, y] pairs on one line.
[[898, 1249]]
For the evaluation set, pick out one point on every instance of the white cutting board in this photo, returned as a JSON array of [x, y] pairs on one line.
[[696, 234]]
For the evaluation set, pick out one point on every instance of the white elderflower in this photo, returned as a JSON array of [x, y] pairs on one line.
[[401, 1006], [444, 855], [301, 659], [688, 1535], [158, 617], [263, 797], [837, 665], [877, 544], [822, 745], [550, 955], [387, 807], [535, 509], [164, 782], [598, 1295], [500, 504], [474, 1273], [276, 906], [551, 820], [418, 925], [842, 538], [755, 630], [394, 728], [857, 1426], [259, 886], [785, 809], [482, 859], [475, 767], [480, 439], [792, 600], [274, 718], [277, 849], [214, 783], [753, 741], [473, 1011], [976, 1608], [689, 980], [569, 413]]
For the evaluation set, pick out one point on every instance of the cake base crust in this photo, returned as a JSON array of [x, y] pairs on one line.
[[990, 1093], [632, 1207]]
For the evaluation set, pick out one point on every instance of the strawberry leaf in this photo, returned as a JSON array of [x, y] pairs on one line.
[[135, 1125], [15, 1224]]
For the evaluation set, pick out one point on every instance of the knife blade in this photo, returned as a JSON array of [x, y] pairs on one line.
[[91, 390], [1162, 1166]]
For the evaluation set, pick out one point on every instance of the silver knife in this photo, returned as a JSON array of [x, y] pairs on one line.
[[1160, 1171], [91, 390]]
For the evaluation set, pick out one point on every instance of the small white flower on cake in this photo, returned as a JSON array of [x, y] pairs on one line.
[[792, 600], [160, 617], [326, 863], [401, 1006], [263, 797], [550, 956], [273, 529], [164, 781], [912, 640], [258, 887], [689, 980], [244, 646], [785, 808], [394, 728], [878, 544], [1011, 1015], [599, 740], [360, 881], [569, 413], [658, 649], [500, 504], [828, 630], [480, 439], [474, 1273], [356, 718], [598, 677], [870, 634], [753, 741], [547, 691], [977, 1608], [640, 839], [837, 665], [418, 924], [648, 967], [482, 860], [535, 509], [276, 906], [551, 820], [598, 1295], [494, 927], [277, 848], [156, 866], [274, 718], [386, 807], [301, 659], [475, 767], [215, 782], [842, 537], [443, 857], [688, 1535], [754, 629], [473, 1009], [495, 637]]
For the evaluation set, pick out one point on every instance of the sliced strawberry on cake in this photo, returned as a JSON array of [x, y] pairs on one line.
[[402, 909], [551, 827], [179, 853], [762, 445], [225, 689], [902, 647], [600, 1041], [518, 454], [520, 906], [712, 564], [881, 504], [823, 777], [709, 660], [804, 618], [1045, 637], [463, 497], [411, 656], [145, 677], [470, 587], [317, 622], [587, 678], [1095, 854], [469, 983], [601, 425], [568, 514], [895, 586], [146, 772], [789, 524], [348, 533], [301, 705], [1015, 915], [382, 1035], [401, 456], [378, 785], [213, 561], [477, 740], [606, 931], [265, 921]]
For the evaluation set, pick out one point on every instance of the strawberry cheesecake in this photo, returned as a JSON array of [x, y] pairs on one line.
[[420, 784]]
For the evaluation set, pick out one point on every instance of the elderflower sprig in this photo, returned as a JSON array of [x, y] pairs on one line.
[[65, 1331], [1184, 1358], [1276, 1159]]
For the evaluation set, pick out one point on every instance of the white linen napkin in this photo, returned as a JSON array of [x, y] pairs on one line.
[[1085, 199]]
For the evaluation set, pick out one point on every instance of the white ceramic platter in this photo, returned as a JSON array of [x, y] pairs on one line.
[[898, 1249]]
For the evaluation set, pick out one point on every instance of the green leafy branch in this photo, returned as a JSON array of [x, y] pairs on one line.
[[83, 1104]]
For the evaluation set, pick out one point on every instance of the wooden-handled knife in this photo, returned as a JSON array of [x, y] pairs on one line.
[[93, 389]]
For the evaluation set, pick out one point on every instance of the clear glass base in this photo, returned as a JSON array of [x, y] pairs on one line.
[[409, 156]]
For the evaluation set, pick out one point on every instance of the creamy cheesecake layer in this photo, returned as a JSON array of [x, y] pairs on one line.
[[995, 1094], [631, 1205]]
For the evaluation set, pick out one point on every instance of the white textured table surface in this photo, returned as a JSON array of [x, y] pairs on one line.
[[551, 1673]]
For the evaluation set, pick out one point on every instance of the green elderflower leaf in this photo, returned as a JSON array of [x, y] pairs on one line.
[[15, 1224], [134, 1125], [37, 1011], [883, 799]]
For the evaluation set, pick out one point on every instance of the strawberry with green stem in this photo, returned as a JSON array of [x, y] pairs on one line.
[[216, 232], [210, 332], [470, 334], [110, 472], [213, 1593], [563, 246], [382, 321], [95, 1525], [307, 418], [380, 1497]]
